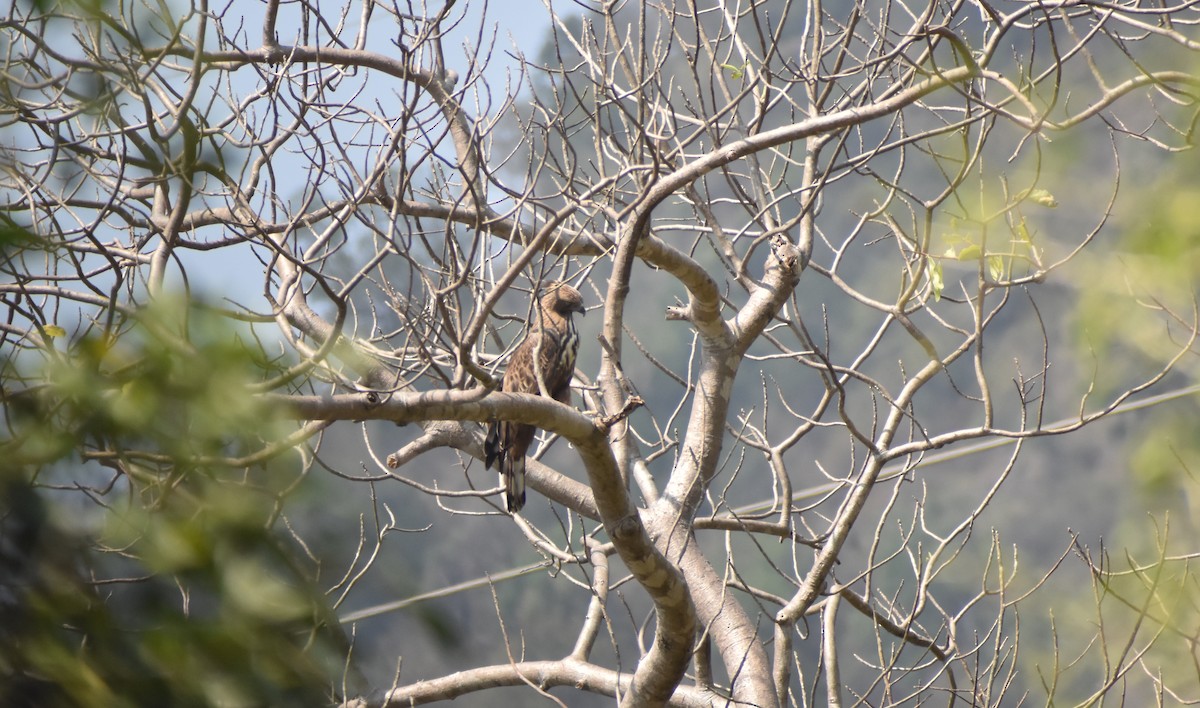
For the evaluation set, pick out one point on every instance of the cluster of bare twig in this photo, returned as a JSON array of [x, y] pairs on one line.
[[848, 202]]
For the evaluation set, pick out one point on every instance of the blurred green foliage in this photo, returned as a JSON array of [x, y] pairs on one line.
[[1155, 259], [1142, 287], [1135, 296], [139, 564]]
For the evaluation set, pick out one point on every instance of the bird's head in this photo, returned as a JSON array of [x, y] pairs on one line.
[[562, 299]]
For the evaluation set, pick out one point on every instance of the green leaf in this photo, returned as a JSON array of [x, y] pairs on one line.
[[1023, 233], [969, 253], [261, 593], [936, 280], [1041, 196], [736, 72], [14, 236], [996, 267]]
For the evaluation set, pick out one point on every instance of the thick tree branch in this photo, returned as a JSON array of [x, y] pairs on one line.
[[565, 673], [660, 671]]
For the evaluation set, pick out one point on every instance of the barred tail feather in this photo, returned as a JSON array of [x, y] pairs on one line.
[[496, 451], [512, 473]]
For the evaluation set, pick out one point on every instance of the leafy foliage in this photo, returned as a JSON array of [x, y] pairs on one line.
[[179, 590]]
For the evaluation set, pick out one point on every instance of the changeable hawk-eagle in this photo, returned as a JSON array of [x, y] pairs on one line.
[[542, 364]]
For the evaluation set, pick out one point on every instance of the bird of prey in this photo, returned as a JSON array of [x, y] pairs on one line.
[[542, 364]]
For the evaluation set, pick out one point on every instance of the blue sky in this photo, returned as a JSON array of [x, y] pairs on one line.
[[512, 26]]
